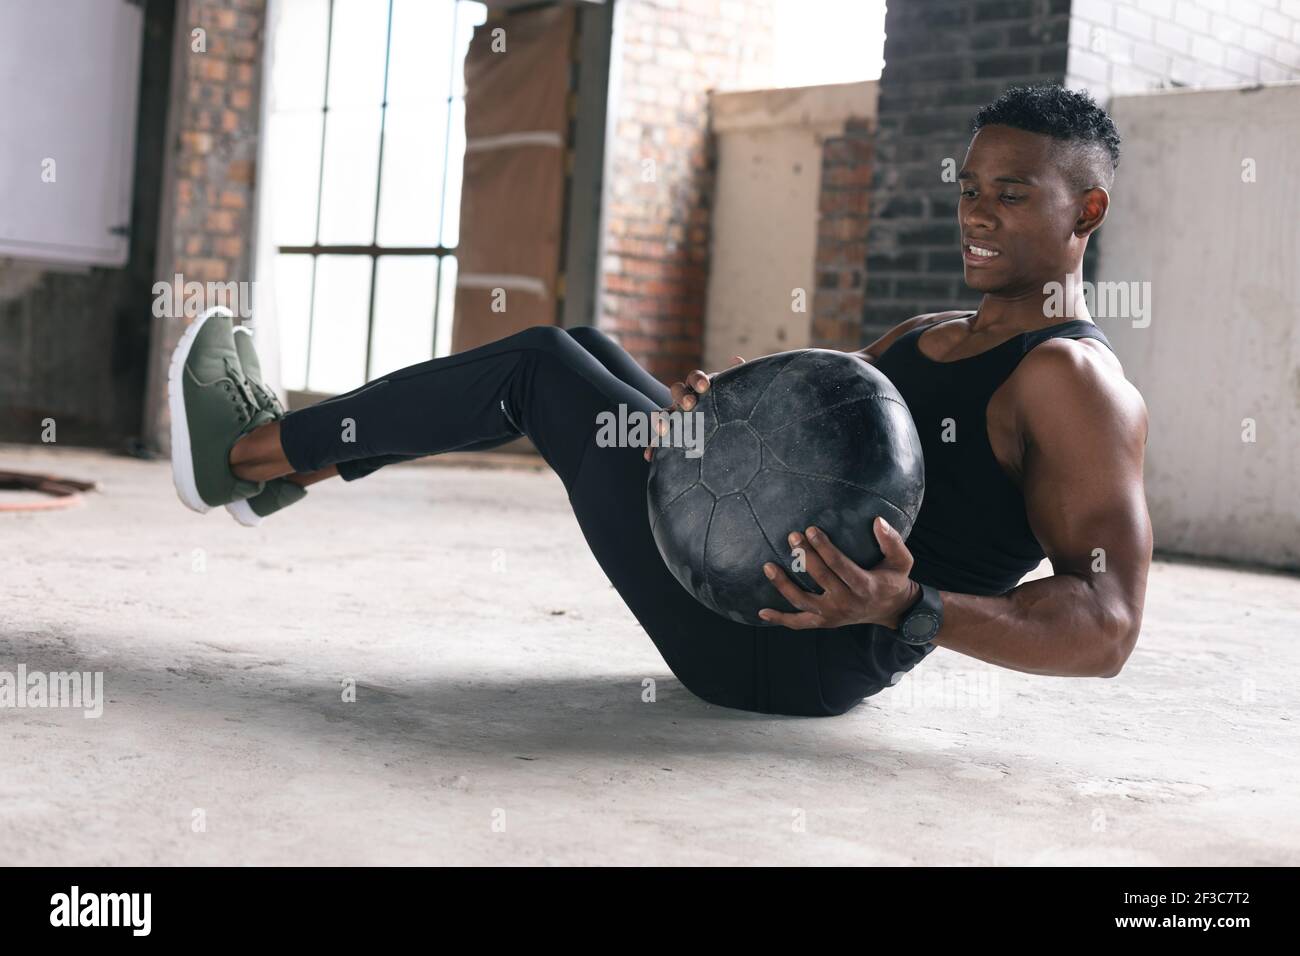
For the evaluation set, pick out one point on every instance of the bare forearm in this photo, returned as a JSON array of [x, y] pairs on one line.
[[1055, 626]]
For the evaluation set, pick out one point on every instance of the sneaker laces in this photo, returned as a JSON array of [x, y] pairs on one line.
[[242, 394], [268, 400], [264, 398]]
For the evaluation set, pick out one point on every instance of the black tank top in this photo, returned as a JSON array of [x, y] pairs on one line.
[[972, 535]]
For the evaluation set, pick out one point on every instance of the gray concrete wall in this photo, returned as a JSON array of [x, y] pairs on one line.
[[765, 214], [1222, 259]]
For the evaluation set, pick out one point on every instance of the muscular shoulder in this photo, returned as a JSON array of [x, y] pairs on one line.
[[1075, 390], [878, 347]]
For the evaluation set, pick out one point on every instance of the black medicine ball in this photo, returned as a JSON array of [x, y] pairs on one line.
[[808, 437]]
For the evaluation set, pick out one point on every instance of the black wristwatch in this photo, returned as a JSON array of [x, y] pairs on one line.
[[920, 625]]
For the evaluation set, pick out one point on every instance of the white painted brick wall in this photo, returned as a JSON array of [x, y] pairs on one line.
[[1173, 37], [1158, 8], [1207, 50], [1191, 16], [1135, 23], [1228, 30], [1184, 42], [1101, 12], [1155, 61], [1089, 65]]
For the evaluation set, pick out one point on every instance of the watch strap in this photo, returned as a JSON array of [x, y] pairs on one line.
[[921, 623]]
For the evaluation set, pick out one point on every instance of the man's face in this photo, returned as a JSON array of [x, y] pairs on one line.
[[1016, 203]]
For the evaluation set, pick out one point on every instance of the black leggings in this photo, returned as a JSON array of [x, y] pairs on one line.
[[550, 384]]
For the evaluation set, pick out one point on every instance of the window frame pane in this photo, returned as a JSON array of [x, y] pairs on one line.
[[448, 102]]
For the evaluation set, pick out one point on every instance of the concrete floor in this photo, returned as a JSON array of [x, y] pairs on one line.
[[499, 714]]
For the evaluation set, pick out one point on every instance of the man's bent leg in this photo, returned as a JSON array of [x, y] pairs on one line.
[[543, 383], [600, 345]]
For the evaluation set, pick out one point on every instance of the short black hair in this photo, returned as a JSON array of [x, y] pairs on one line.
[[1071, 116]]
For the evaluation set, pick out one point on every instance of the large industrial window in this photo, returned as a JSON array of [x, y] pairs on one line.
[[366, 143]]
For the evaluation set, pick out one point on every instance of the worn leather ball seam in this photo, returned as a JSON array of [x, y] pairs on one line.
[[784, 368]]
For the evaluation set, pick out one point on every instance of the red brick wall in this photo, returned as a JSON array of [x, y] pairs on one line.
[[843, 207], [217, 138], [656, 262], [217, 132], [208, 215]]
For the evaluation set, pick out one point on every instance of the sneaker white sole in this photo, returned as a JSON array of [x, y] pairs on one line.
[[244, 514], [182, 454]]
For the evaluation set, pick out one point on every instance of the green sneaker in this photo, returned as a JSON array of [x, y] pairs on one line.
[[211, 407], [279, 492]]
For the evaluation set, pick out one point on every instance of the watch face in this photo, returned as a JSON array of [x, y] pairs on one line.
[[921, 626]]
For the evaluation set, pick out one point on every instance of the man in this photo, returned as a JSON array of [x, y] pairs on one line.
[[1046, 446], [1033, 444]]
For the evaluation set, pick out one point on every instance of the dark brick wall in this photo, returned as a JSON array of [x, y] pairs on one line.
[[943, 60]]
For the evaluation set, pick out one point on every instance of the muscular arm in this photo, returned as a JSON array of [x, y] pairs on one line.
[[1082, 430], [1085, 432]]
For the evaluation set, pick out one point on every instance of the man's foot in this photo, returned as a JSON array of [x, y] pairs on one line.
[[211, 406], [279, 492]]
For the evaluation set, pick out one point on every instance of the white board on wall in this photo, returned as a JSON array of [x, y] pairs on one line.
[[69, 84]]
